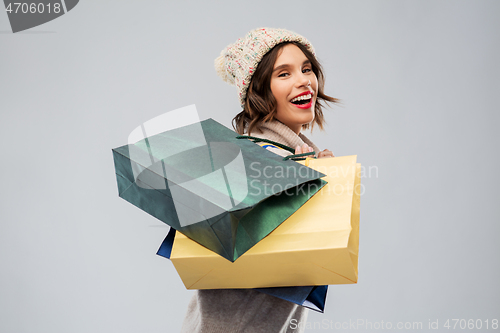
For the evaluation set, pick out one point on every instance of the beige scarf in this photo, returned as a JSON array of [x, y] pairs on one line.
[[279, 132]]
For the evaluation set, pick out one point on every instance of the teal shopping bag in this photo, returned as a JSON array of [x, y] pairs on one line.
[[224, 193]]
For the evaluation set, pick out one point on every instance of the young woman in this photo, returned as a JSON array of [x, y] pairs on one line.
[[280, 85]]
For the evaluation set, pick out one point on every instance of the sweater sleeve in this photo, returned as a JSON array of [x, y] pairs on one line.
[[242, 311]]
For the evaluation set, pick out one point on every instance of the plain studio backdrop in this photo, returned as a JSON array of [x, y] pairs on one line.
[[419, 84]]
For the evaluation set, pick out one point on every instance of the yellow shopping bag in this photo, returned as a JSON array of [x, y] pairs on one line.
[[317, 245]]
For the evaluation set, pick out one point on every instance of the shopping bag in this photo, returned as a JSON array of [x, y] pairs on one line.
[[317, 245], [224, 193], [312, 297]]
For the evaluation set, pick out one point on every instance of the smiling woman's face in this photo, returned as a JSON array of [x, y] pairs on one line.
[[294, 86]]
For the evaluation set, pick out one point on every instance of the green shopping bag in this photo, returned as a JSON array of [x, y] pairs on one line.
[[224, 193]]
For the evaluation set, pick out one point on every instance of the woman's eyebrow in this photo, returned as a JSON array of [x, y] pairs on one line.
[[280, 67], [306, 62]]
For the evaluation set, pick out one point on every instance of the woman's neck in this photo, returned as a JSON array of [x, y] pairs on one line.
[[296, 129]]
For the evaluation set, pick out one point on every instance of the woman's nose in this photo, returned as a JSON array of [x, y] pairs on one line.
[[303, 81]]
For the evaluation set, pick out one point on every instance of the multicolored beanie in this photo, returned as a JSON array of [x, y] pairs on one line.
[[237, 62]]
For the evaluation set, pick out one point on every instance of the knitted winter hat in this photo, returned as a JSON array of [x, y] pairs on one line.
[[237, 62]]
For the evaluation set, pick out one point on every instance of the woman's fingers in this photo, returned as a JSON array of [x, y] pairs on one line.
[[304, 149], [325, 153]]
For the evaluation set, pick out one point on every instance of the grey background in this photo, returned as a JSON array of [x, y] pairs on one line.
[[419, 82]]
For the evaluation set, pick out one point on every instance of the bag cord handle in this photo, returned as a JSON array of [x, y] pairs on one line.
[[294, 157]]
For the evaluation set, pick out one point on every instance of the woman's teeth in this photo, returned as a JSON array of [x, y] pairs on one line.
[[301, 98]]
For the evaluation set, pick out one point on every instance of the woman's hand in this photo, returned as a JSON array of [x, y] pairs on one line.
[[306, 149], [325, 153]]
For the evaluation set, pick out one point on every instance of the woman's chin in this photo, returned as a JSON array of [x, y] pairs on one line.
[[307, 119]]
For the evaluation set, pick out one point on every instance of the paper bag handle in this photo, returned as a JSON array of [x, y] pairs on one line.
[[294, 157]]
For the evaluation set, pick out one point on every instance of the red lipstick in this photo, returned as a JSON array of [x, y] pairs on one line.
[[304, 106]]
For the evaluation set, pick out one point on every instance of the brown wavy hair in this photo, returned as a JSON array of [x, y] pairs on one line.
[[260, 104]]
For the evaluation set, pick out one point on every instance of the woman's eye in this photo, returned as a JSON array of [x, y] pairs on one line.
[[306, 70], [283, 75]]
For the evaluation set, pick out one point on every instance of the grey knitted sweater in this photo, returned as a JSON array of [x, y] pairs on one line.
[[247, 310]]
